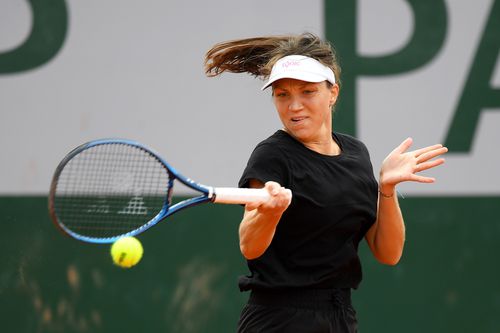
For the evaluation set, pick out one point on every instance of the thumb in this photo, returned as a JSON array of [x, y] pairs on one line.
[[404, 145]]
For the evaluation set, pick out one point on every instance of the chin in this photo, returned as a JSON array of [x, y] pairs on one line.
[[300, 135]]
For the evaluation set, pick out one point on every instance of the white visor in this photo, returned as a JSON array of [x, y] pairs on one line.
[[302, 68]]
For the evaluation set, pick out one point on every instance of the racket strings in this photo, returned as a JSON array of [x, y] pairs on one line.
[[110, 189]]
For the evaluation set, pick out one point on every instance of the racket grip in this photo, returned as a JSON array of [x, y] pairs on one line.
[[233, 195]]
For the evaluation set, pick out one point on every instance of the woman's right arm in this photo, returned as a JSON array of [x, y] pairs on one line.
[[259, 221]]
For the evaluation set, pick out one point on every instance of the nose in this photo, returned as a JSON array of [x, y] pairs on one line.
[[295, 104]]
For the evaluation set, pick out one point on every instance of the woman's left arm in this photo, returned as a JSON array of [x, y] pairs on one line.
[[387, 235]]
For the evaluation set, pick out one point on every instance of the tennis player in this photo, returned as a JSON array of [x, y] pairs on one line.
[[302, 253]]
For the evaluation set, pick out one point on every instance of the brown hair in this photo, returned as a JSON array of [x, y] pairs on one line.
[[257, 55]]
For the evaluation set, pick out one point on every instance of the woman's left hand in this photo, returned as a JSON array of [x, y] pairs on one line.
[[402, 165]]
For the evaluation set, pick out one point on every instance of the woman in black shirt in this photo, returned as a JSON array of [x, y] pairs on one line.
[[303, 252]]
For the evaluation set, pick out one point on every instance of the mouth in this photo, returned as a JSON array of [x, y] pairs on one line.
[[298, 119]]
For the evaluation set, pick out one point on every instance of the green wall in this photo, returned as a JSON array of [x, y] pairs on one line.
[[186, 281], [447, 280]]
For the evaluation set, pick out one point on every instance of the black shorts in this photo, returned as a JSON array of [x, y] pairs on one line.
[[305, 311]]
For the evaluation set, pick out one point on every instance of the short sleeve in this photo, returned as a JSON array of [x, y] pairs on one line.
[[266, 163]]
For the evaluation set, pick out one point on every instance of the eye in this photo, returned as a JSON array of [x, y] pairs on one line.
[[309, 91], [280, 94]]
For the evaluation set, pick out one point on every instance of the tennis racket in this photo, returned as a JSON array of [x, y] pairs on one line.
[[111, 188]]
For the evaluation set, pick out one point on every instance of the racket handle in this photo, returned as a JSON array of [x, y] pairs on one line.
[[233, 195]]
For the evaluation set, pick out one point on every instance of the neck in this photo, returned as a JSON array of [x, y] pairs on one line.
[[329, 147], [325, 145]]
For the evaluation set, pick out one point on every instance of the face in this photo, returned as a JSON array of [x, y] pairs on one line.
[[305, 108]]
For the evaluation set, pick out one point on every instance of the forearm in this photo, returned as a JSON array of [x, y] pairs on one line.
[[256, 232], [386, 237]]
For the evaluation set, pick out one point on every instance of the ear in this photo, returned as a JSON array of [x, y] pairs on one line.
[[334, 94]]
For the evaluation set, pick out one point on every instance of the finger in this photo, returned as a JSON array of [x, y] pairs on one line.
[[279, 202], [431, 154], [427, 149], [404, 145], [288, 196], [284, 195], [422, 179], [428, 165], [273, 188]]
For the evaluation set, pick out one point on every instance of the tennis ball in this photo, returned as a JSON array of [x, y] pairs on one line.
[[126, 252]]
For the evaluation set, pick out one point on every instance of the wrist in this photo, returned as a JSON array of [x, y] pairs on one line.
[[386, 195], [386, 191]]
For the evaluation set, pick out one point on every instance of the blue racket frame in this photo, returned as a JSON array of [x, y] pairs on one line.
[[167, 210]]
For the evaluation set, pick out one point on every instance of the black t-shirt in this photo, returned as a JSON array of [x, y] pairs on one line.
[[334, 204]]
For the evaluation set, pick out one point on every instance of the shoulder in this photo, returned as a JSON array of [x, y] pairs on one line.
[[348, 138], [268, 161], [349, 142], [278, 138], [276, 144]]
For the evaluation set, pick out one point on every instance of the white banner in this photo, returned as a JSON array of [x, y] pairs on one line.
[[134, 70]]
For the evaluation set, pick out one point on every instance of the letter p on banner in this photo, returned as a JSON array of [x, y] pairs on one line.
[[433, 84]]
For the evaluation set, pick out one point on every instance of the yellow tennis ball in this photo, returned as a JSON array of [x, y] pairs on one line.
[[126, 252]]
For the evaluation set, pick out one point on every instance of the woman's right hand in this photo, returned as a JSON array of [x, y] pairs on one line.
[[280, 198]]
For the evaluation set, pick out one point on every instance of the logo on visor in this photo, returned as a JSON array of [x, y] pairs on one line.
[[290, 63]]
